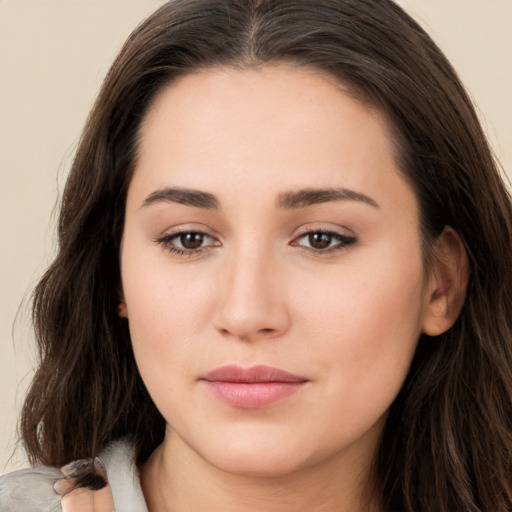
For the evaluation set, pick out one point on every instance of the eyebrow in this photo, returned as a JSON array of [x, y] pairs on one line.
[[311, 196], [184, 196], [286, 200]]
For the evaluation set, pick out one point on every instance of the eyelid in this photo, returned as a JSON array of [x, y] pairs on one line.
[[186, 227], [321, 227]]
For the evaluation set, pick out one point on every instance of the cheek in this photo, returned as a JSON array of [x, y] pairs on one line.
[[166, 320], [360, 301], [166, 311], [162, 297], [161, 310], [165, 306], [364, 325]]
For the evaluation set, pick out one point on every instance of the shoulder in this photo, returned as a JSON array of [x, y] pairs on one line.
[[33, 489], [30, 490]]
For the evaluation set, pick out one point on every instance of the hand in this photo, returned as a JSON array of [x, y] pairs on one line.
[[85, 487]]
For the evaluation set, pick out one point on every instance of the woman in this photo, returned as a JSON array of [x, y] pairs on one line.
[[283, 279]]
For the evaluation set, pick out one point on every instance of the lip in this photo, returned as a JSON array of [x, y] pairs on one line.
[[252, 388]]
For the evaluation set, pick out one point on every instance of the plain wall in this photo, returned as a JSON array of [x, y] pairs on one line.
[[53, 56]]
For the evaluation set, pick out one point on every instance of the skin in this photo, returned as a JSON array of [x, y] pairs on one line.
[[346, 317]]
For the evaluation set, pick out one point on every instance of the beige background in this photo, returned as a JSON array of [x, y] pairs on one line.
[[53, 56]]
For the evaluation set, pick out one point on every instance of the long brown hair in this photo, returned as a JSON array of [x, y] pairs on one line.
[[447, 444]]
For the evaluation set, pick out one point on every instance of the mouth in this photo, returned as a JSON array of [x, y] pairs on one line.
[[252, 388]]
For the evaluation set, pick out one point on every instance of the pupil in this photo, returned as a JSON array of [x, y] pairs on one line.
[[191, 240], [320, 240]]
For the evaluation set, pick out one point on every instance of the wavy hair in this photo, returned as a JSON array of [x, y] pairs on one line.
[[447, 443]]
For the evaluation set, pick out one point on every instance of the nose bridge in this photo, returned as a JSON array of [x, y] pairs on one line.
[[251, 302]]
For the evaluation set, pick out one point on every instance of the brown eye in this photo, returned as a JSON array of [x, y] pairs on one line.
[[191, 240], [320, 240]]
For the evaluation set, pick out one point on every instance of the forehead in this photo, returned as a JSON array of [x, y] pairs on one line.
[[259, 96], [274, 127]]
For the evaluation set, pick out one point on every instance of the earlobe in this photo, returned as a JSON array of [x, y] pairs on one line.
[[447, 285], [122, 311]]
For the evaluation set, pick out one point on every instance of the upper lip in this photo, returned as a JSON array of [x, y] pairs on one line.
[[254, 374]]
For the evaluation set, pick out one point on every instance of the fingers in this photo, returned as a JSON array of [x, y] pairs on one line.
[[85, 487], [77, 466], [90, 473], [85, 500], [63, 486]]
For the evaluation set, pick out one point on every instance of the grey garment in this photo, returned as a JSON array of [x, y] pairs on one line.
[[31, 490]]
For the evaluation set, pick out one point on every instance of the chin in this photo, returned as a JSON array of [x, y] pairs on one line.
[[257, 465], [264, 459]]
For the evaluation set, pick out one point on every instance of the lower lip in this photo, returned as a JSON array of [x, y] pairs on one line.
[[254, 395]]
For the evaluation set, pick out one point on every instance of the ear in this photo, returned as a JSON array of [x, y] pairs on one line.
[[122, 311], [448, 281]]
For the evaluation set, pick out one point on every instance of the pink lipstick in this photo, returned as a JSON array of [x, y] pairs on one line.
[[252, 388]]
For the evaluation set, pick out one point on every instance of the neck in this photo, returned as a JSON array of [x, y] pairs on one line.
[[177, 479]]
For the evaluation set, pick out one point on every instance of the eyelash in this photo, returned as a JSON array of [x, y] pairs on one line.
[[343, 241]]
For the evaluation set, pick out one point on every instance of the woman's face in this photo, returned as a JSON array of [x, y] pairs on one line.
[[271, 269]]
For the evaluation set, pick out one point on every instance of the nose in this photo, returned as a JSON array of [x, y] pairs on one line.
[[251, 302]]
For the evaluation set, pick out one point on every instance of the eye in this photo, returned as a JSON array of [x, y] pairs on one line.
[[324, 241], [187, 242], [190, 240]]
